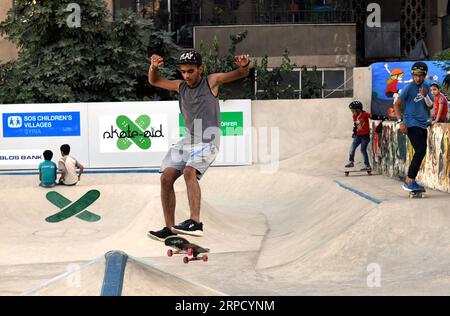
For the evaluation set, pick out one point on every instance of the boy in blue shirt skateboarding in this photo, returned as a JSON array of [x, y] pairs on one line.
[[414, 121]]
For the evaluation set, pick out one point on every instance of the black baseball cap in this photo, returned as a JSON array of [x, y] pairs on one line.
[[190, 57]]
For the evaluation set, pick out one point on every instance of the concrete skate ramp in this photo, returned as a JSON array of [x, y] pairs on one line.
[[293, 225], [143, 279], [140, 278]]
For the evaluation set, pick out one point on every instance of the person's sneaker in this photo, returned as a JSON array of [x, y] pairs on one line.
[[189, 227], [161, 235], [413, 187], [419, 186], [366, 168], [350, 165]]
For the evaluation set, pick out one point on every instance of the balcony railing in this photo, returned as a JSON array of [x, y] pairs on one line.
[[261, 17], [304, 17], [183, 22]]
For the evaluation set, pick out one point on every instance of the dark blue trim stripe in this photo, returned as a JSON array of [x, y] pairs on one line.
[[361, 194], [29, 173], [115, 264], [199, 151]]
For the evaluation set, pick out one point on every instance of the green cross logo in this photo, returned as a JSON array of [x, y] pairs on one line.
[[135, 132], [69, 209]]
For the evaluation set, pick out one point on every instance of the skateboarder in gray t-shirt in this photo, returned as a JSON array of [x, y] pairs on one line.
[[192, 156]]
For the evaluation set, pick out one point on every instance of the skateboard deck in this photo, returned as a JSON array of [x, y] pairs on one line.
[[417, 194], [183, 246], [134, 128], [347, 172], [77, 208]]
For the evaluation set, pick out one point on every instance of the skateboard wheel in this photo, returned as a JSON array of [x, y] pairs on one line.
[[346, 174], [190, 251], [186, 260], [170, 252], [205, 258]]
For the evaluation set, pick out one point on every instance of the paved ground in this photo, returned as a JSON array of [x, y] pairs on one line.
[[296, 230]]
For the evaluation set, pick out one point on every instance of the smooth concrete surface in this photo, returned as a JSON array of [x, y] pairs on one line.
[[282, 228], [362, 86]]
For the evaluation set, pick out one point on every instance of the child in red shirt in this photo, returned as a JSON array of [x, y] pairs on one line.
[[361, 134], [440, 104]]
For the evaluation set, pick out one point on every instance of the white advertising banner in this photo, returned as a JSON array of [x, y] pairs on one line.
[[21, 157], [27, 130], [116, 134], [133, 133]]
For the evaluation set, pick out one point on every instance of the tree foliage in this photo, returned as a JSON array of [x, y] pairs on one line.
[[100, 61], [214, 62], [273, 81]]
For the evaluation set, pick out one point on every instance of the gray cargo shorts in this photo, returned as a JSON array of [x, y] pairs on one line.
[[198, 156]]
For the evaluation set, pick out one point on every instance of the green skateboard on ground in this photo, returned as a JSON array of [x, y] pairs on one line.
[[77, 208], [136, 128]]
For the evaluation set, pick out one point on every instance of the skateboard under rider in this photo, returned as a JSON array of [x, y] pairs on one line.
[[183, 246]]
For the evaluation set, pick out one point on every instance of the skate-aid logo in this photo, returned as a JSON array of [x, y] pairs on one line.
[[137, 134], [14, 122], [67, 208]]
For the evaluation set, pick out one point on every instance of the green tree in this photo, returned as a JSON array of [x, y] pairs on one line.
[[214, 62], [311, 83], [102, 60], [273, 82]]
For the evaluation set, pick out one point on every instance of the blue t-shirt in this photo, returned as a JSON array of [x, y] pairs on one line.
[[416, 112], [48, 172]]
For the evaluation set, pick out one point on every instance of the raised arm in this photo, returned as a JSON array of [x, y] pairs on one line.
[[155, 80], [215, 80]]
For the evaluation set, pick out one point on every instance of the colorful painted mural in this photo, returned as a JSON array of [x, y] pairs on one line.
[[389, 149], [435, 171], [391, 154], [388, 80]]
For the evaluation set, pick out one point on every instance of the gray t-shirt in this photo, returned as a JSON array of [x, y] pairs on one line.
[[201, 113]]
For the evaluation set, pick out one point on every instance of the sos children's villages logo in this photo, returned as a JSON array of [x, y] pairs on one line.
[[136, 132]]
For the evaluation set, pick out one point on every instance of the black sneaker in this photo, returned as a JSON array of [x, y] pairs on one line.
[[161, 235], [350, 165], [189, 227]]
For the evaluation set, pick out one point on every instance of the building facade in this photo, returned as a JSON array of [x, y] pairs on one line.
[[332, 35]]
